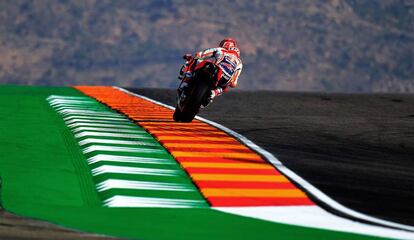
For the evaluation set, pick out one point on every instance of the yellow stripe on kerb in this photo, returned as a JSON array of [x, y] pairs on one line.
[[239, 178], [218, 139], [209, 146], [216, 154]]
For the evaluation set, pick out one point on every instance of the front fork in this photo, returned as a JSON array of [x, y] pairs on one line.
[[181, 93]]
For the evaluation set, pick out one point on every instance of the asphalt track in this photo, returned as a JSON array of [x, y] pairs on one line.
[[356, 148]]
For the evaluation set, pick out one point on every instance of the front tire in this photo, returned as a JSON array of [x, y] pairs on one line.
[[177, 114], [192, 104]]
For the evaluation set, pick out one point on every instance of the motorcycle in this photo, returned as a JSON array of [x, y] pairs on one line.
[[205, 76]]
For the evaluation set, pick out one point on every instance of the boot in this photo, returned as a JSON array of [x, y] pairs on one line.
[[214, 93]]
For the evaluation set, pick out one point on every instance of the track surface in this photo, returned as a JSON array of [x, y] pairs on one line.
[[356, 148], [14, 227]]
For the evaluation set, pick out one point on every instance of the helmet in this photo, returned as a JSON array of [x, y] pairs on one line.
[[228, 43]]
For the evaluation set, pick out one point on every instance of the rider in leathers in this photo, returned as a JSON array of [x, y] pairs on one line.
[[227, 57]]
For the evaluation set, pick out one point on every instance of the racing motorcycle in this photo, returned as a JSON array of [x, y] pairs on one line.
[[194, 91]]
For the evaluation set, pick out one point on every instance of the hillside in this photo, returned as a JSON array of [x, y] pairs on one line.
[[318, 45]]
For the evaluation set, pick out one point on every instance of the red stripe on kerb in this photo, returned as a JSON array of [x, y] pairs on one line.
[[246, 202], [217, 160], [184, 141], [235, 171]]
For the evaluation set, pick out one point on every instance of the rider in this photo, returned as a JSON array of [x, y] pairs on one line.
[[226, 56]]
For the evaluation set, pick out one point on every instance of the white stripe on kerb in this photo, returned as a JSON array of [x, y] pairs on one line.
[[89, 115], [134, 171], [98, 120], [119, 142], [53, 97], [88, 112], [82, 129], [127, 201], [118, 125], [68, 98], [120, 118], [92, 116], [70, 102], [67, 112], [129, 159], [85, 109], [121, 135], [94, 148], [84, 106], [299, 180], [142, 185], [75, 103]]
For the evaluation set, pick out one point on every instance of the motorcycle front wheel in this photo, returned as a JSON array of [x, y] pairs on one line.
[[197, 94]]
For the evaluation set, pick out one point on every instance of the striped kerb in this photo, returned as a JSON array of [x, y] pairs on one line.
[[129, 167], [226, 172]]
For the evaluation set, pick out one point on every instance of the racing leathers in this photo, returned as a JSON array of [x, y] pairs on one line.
[[227, 59]]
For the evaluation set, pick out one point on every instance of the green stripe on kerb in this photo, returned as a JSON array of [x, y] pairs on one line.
[[129, 167]]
